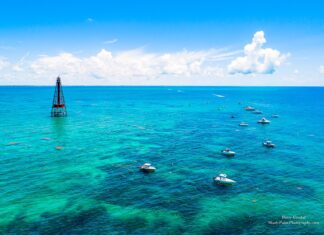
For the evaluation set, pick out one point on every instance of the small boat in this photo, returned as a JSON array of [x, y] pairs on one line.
[[268, 144], [219, 96], [257, 112], [147, 168], [243, 124], [249, 108], [223, 180], [264, 121], [275, 115], [228, 152]]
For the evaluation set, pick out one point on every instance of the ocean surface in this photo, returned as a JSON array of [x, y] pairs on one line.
[[93, 184]]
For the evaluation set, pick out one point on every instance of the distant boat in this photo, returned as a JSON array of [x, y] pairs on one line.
[[275, 116], [219, 96], [147, 167], [227, 152], [249, 108], [264, 121], [223, 180], [268, 144], [243, 124]]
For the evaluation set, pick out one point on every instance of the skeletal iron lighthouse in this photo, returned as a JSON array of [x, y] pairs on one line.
[[58, 107]]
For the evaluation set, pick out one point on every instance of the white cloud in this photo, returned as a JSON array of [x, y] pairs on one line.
[[256, 59], [19, 66], [112, 41], [132, 64], [321, 69], [64, 62], [3, 63]]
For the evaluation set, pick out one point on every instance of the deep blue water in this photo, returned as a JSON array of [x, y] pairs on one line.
[[93, 186]]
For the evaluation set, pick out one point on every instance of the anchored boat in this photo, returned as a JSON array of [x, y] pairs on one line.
[[243, 124], [147, 168], [249, 108], [264, 121], [268, 144], [227, 152], [223, 180]]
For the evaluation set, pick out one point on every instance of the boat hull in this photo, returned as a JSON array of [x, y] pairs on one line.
[[266, 122], [225, 182], [148, 170], [228, 154], [269, 145]]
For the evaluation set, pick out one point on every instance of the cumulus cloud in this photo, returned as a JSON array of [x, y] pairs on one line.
[[129, 67], [132, 64], [256, 59], [321, 69]]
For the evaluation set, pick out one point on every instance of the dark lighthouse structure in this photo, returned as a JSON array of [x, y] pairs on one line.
[[58, 107]]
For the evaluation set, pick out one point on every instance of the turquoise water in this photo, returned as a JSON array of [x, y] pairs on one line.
[[93, 186]]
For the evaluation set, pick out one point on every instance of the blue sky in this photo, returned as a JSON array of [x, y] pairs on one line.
[[161, 42]]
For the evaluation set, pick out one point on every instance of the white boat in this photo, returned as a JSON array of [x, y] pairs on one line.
[[264, 121], [223, 180], [257, 112], [275, 115], [219, 96], [249, 108], [268, 144], [228, 152], [147, 167], [243, 124]]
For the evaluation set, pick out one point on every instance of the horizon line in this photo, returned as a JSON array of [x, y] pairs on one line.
[[163, 86]]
